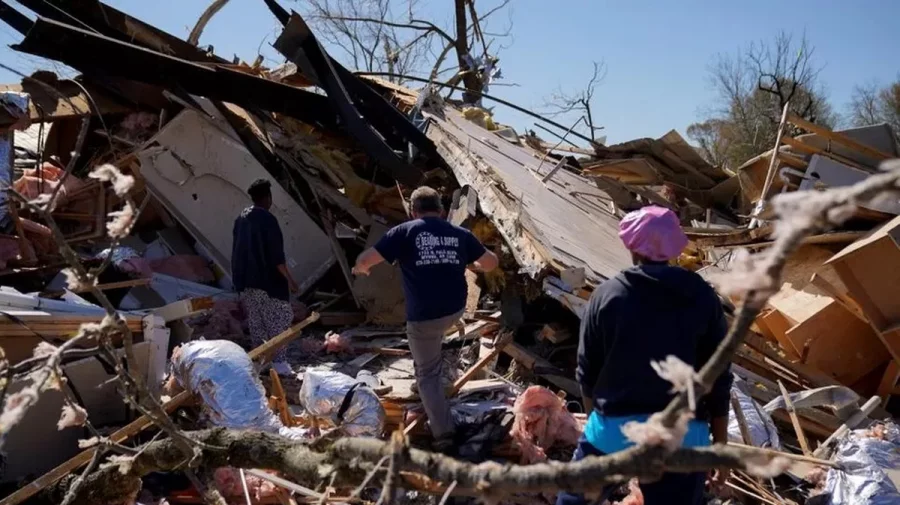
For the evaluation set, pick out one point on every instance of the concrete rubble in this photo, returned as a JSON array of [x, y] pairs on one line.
[[194, 130]]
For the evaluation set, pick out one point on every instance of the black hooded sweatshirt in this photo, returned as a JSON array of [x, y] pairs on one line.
[[644, 314]]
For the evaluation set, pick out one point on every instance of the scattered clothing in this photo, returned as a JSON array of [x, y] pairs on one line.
[[542, 421], [426, 340], [267, 317], [257, 251], [433, 254]]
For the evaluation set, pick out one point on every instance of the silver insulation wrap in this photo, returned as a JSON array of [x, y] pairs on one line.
[[865, 462], [222, 374], [323, 392]]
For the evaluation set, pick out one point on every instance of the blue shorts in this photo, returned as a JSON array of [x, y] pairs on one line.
[[603, 435], [605, 432]]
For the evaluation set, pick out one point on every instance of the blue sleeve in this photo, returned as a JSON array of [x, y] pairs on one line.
[[472, 247], [719, 397], [390, 245], [591, 348], [275, 242]]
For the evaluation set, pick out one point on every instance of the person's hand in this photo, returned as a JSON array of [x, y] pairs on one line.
[[358, 270], [295, 289]]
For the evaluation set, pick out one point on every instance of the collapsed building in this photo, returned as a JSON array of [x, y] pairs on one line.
[[346, 151]]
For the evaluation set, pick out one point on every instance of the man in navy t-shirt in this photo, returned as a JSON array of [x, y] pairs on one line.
[[433, 255]]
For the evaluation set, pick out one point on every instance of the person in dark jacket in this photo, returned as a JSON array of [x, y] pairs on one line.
[[647, 313], [259, 272]]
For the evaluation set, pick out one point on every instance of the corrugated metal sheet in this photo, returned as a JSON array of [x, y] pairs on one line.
[[564, 223]]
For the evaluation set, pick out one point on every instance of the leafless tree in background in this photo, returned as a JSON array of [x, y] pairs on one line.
[[577, 105], [752, 88], [871, 104], [392, 37]]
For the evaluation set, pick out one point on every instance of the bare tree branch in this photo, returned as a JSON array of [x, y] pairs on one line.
[[212, 10]]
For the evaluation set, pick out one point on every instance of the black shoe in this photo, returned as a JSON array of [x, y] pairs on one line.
[[445, 445]]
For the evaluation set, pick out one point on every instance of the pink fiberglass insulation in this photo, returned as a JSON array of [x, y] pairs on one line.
[[228, 482], [33, 183], [542, 421], [337, 343], [223, 321], [9, 250], [635, 496]]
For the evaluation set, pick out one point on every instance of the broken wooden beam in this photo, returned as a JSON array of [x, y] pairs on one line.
[[184, 308], [798, 428], [543, 368]]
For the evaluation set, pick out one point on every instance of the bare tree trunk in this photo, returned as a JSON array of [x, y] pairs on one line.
[[470, 76]]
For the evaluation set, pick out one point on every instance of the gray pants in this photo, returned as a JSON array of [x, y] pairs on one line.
[[425, 341]]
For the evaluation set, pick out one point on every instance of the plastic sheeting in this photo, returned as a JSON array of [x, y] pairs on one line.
[[222, 374], [763, 432], [866, 457], [323, 392]]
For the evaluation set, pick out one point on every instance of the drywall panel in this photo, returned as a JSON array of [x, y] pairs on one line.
[[200, 174]]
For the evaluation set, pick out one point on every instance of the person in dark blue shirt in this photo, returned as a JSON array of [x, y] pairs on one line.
[[646, 313], [433, 255], [259, 273]]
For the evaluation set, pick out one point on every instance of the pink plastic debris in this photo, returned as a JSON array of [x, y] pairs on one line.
[[542, 421], [337, 342]]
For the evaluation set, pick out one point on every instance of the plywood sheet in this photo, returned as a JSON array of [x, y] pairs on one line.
[[200, 172], [777, 325], [839, 343]]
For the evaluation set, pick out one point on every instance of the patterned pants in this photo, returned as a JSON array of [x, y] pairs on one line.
[[267, 317]]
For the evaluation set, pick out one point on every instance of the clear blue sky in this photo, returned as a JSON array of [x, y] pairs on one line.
[[657, 52]]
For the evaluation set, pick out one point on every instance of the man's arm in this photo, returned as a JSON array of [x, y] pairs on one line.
[[387, 249], [368, 259], [487, 262]]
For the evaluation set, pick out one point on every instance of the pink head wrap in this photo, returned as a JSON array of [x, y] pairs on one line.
[[653, 232]]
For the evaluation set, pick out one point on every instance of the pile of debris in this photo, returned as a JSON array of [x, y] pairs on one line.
[[194, 130]]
